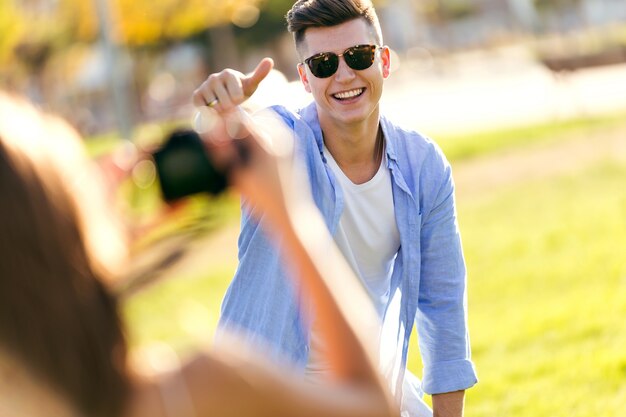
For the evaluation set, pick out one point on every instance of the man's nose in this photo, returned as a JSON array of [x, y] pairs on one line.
[[344, 72]]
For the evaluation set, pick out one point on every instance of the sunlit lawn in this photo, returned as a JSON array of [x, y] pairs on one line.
[[547, 268], [181, 312], [547, 289], [465, 146]]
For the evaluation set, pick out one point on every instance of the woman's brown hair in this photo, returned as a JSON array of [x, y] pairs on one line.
[[57, 316]]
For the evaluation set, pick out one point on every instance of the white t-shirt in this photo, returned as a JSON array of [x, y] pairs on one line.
[[367, 234], [368, 238]]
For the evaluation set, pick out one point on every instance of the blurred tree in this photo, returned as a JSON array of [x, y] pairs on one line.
[[442, 11], [549, 9], [544, 5], [41, 25], [35, 30], [270, 32], [271, 23], [10, 28], [440, 14], [137, 22], [141, 22], [525, 13]]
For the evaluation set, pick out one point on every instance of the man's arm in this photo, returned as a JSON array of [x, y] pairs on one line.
[[442, 305], [449, 404]]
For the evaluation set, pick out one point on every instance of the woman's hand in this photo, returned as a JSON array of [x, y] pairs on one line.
[[257, 153]]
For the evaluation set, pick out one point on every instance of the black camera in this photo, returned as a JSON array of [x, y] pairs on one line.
[[184, 168]]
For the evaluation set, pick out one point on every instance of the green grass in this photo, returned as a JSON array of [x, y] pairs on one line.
[[547, 293], [548, 296], [102, 144], [547, 290], [467, 146], [181, 312]]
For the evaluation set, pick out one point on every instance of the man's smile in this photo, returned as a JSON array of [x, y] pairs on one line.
[[350, 94]]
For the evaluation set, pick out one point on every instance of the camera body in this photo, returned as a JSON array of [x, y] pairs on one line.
[[184, 167]]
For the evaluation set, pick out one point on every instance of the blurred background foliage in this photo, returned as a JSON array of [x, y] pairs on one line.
[[116, 64], [136, 23], [46, 44], [30, 27]]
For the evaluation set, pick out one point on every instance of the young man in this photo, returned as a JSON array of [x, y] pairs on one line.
[[387, 197]]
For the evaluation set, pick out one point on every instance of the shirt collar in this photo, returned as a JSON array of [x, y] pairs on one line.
[[388, 130], [309, 115]]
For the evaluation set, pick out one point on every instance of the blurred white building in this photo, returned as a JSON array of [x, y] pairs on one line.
[[409, 23]]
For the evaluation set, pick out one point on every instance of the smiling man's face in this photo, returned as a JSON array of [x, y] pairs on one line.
[[349, 96]]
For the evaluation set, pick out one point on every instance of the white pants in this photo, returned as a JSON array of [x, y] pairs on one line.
[[413, 404]]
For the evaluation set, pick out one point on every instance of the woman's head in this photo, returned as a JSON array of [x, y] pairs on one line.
[[57, 317]]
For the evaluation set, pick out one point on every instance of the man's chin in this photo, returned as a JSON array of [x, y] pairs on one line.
[[349, 116]]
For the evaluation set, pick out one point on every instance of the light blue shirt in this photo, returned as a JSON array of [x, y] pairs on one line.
[[429, 275]]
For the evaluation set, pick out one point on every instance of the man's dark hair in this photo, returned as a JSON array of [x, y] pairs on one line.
[[323, 13]]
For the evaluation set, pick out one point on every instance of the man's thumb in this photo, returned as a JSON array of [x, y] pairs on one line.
[[252, 81]]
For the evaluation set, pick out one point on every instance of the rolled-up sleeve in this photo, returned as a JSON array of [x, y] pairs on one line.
[[442, 305]]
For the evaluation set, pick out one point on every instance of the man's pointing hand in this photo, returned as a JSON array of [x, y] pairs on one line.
[[229, 88]]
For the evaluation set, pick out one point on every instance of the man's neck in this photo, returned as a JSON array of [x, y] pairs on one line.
[[357, 148]]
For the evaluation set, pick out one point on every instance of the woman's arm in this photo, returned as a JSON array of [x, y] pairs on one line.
[[228, 381]]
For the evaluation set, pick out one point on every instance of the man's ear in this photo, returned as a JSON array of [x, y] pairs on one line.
[[385, 57], [303, 77]]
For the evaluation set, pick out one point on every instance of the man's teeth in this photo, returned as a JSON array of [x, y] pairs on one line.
[[348, 94]]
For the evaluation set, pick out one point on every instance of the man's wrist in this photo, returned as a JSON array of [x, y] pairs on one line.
[[449, 404]]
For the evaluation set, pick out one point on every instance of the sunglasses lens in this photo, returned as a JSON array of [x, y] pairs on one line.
[[323, 65], [360, 57]]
